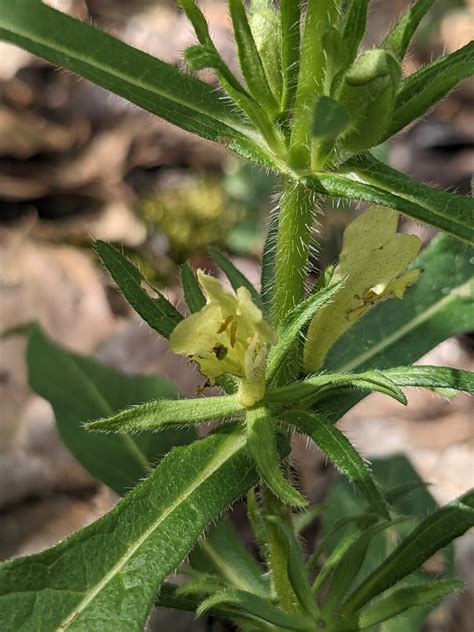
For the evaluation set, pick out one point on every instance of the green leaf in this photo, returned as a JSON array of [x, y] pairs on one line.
[[399, 38], [150, 304], [346, 570], [435, 532], [170, 598], [261, 444], [438, 206], [433, 377], [222, 553], [296, 568], [290, 15], [163, 413], [317, 386], [254, 607], [235, 276], [201, 584], [428, 85], [403, 599], [197, 19], [292, 325], [79, 389], [195, 299], [354, 30], [329, 118], [266, 30], [107, 575], [157, 87], [341, 452], [382, 185], [250, 61], [320, 14]]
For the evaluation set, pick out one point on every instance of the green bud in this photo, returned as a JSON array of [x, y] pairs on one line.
[[368, 92]]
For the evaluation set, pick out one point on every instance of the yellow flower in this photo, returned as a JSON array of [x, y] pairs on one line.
[[372, 267], [228, 335]]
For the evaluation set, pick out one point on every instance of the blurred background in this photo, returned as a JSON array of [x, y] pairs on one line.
[[77, 164]]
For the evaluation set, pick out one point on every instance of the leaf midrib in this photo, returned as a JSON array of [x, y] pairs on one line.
[[108, 411], [406, 329], [139, 83], [228, 449]]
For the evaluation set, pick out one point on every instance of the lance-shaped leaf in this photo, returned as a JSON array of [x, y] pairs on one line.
[[341, 452], [150, 304], [255, 608], [261, 443], [433, 377], [202, 584], [250, 61], [296, 568], [80, 389], [266, 30], [399, 38], [292, 325], [457, 209], [449, 212], [434, 533], [222, 553], [290, 15], [162, 413], [354, 30], [193, 295], [421, 90], [157, 87], [235, 276], [95, 579], [401, 600], [315, 387]]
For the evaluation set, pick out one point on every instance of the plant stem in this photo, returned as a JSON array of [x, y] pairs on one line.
[[278, 552], [292, 248]]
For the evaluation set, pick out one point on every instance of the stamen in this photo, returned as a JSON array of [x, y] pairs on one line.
[[233, 334], [224, 324]]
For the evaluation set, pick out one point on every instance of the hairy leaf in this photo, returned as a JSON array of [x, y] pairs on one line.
[[162, 413], [290, 50], [448, 207], [403, 599], [391, 189], [195, 299], [254, 607], [296, 568], [222, 553], [317, 386], [420, 91], [433, 377], [341, 452], [150, 304], [79, 390], [235, 276], [261, 442], [292, 325], [401, 35], [148, 82], [435, 532], [106, 576]]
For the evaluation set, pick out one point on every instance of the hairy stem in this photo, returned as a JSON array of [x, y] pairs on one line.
[[292, 248]]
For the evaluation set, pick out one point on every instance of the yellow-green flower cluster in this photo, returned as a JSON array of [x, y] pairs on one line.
[[228, 335]]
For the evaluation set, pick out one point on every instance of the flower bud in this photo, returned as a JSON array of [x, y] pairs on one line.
[[368, 92]]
